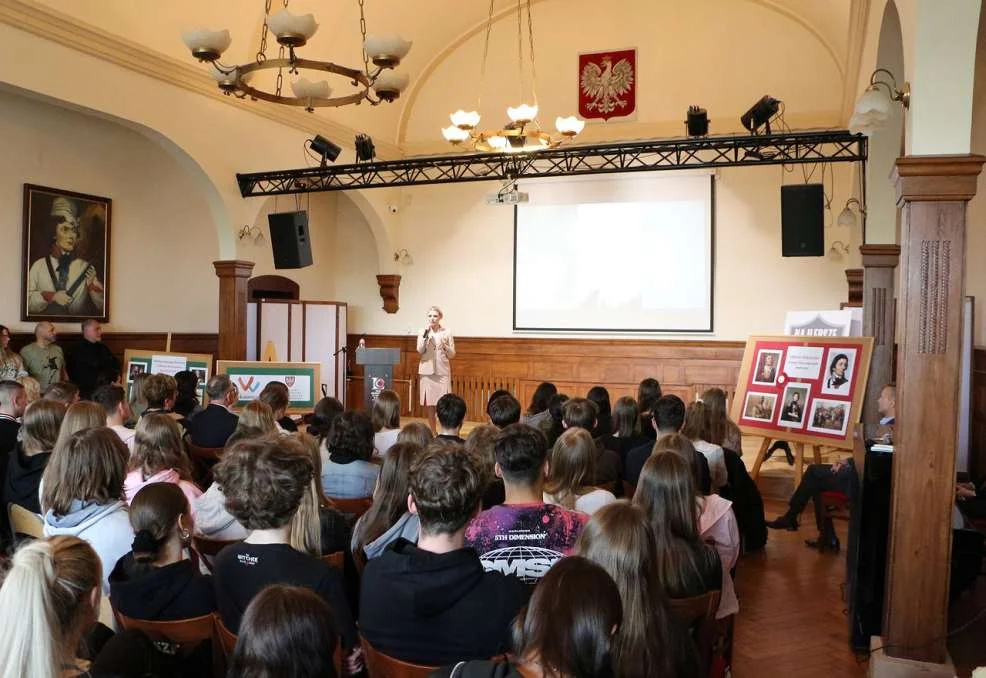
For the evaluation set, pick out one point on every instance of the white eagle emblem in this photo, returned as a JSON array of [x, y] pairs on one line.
[[605, 86]]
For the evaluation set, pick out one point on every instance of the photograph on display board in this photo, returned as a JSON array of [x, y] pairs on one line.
[[829, 416], [135, 369], [794, 404], [200, 373], [768, 362], [759, 406], [840, 363]]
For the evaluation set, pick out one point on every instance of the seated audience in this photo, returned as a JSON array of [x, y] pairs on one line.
[[626, 433], [651, 641], [481, 443], [90, 363], [572, 466], [83, 494], [696, 429], [504, 411], [325, 413], [113, 400], [648, 393], [160, 391], [159, 457], [11, 364], [721, 430], [187, 397], [213, 426], [574, 635], [264, 480], [64, 392], [599, 396], [212, 520], [286, 631], [317, 528], [386, 418], [43, 358], [32, 388], [522, 462], [259, 416], [138, 402], [685, 564], [347, 472], [493, 396], [537, 411], [451, 411], [667, 417], [277, 395], [388, 518], [155, 581], [431, 603], [416, 432], [13, 402], [27, 461], [581, 413], [554, 426]]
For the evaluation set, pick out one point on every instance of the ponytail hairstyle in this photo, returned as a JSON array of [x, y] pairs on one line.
[[46, 603], [306, 524], [155, 513]]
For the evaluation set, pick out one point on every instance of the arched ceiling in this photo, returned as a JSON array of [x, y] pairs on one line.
[[439, 27]]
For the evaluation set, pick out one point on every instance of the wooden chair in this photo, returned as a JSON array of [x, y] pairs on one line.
[[336, 560], [352, 507], [24, 522], [226, 638], [183, 634], [359, 559], [379, 665], [699, 615], [203, 459], [609, 487], [208, 549]]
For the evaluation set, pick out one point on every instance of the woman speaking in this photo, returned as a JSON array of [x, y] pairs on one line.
[[436, 346]]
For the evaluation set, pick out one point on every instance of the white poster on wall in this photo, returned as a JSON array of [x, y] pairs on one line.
[[819, 323]]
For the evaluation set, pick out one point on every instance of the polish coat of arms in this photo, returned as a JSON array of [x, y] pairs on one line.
[[608, 84]]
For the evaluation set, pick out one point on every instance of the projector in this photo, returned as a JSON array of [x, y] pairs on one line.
[[507, 198]]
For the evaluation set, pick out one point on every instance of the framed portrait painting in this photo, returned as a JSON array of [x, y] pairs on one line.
[[65, 270]]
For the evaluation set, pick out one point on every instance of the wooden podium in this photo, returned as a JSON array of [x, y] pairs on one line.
[[378, 371]]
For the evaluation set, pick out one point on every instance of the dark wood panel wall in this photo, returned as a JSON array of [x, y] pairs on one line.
[[977, 454], [183, 342]]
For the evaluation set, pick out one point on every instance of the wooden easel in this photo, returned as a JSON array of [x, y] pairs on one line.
[[799, 458]]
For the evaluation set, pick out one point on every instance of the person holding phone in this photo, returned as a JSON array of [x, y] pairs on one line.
[[437, 347]]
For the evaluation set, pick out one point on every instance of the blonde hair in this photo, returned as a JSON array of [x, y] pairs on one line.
[[386, 411], [32, 387], [436, 310], [416, 432], [137, 397], [83, 414], [573, 461], [258, 414], [46, 605], [306, 524], [158, 446], [90, 466]]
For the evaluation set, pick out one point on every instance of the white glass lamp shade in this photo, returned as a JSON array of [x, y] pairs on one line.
[[389, 85], [465, 119], [206, 45], [497, 142], [873, 103], [569, 126], [522, 114], [227, 80], [304, 88], [386, 51], [291, 30], [454, 135], [864, 124], [847, 218]]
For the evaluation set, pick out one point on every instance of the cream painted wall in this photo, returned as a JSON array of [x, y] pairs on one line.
[[163, 237], [975, 272]]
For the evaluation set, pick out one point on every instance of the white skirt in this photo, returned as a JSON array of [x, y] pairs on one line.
[[431, 387]]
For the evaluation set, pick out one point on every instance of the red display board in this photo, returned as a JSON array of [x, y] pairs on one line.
[[804, 389]]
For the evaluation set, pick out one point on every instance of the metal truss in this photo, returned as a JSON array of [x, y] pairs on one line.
[[635, 156]]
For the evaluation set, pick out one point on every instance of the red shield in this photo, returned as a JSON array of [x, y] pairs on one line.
[[608, 84]]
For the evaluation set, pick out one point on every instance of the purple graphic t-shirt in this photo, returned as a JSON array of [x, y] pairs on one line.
[[524, 540]]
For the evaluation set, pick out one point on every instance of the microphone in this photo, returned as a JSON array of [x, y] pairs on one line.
[[425, 335]]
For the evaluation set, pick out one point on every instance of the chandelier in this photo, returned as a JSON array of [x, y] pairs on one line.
[[523, 133], [291, 32]]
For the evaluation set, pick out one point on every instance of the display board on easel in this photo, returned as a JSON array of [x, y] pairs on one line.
[[140, 361], [250, 377]]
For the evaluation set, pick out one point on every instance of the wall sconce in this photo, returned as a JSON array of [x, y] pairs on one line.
[[403, 257], [873, 106], [252, 232], [847, 217], [838, 250]]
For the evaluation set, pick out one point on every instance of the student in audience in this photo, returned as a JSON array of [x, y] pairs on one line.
[[431, 603], [159, 457], [504, 411], [317, 528], [599, 396], [722, 430], [554, 426], [13, 402], [696, 429], [212, 520], [537, 411], [32, 389], [160, 391], [581, 413], [648, 393], [257, 415], [388, 518], [348, 472], [11, 364], [574, 635], [493, 396], [571, 468], [187, 398], [667, 418], [416, 432], [43, 358], [287, 631], [264, 480], [651, 641], [213, 426], [138, 402], [64, 392], [26, 463], [325, 413], [481, 443], [666, 492], [522, 462], [83, 494], [277, 395], [90, 363], [155, 581], [113, 400], [451, 411], [626, 429], [386, 418], [81, 415]]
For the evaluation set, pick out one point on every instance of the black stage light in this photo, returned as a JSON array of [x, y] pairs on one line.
[[365, 151], [325, 148], [697, 122], [760, 114]]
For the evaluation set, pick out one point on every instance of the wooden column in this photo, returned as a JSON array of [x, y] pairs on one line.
[[233, 278], [932, 193], [879, 311]]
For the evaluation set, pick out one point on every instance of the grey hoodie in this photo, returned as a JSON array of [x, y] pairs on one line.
[[106, 527], [406, 527]]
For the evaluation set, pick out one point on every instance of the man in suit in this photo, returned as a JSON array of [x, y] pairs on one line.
[[215, 424]]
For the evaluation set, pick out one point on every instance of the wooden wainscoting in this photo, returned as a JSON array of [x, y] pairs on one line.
[[118, 342], [518, 364]]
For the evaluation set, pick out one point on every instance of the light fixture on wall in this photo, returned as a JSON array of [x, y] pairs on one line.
[[523, 133], [251, 232], [376, 84], [838, 250], [847, 217], [873, 107], [403, 256]]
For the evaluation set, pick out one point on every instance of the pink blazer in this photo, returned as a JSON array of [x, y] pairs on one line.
[[435, 352]]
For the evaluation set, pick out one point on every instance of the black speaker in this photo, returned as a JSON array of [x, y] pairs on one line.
[[803, 220], [289, 239]]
